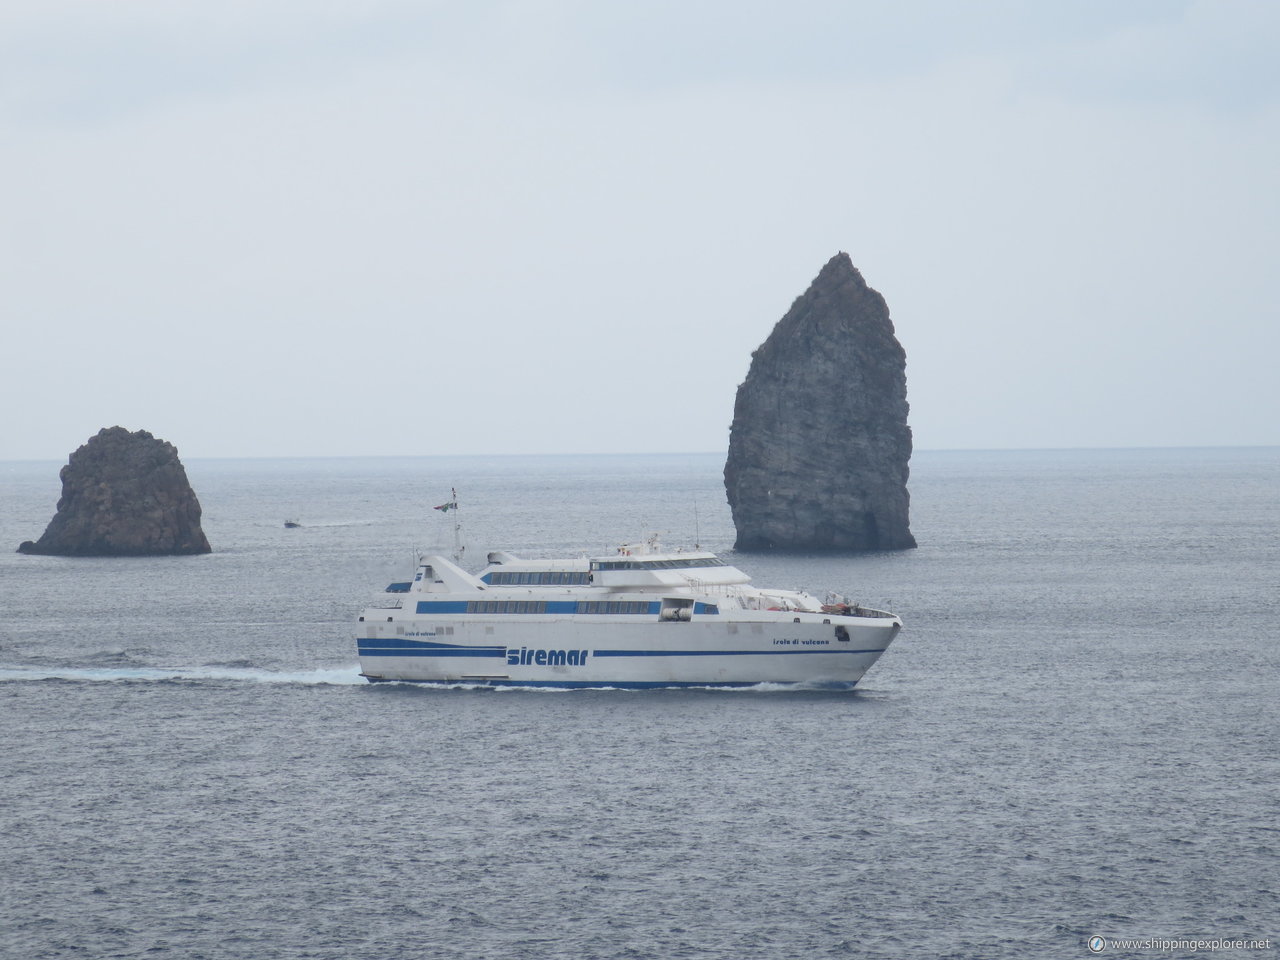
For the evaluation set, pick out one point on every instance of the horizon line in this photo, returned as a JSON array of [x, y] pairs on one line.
[[672, 453]]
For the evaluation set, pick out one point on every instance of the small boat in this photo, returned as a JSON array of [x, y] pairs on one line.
[[291, 524], [641, 618]]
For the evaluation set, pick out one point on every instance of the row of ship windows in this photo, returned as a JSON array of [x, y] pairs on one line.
[[506, 606], [541, 578], [617, 606], [581, 606], [677, 564]]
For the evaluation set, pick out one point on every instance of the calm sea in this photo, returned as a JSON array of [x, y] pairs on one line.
[[1075, 735]]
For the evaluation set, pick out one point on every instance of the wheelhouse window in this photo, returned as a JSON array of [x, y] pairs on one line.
[[537, 578], [675, 563]]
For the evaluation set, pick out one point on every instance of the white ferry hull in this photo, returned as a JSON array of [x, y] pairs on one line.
[[587, 652]]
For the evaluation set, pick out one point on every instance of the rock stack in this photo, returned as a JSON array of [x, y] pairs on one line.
[[123, 495], [819, 448]]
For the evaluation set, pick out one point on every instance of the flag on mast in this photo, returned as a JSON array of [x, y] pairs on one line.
[[451, 505]]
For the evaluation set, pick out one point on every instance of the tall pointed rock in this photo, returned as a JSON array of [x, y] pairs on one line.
[[819, 448]]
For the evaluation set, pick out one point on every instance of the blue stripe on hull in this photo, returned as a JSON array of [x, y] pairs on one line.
[[722, 653], [385, 649], [425, 644], [441, 651], [405, 647]]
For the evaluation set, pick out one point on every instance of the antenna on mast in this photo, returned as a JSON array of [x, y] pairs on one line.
[[452, 504]]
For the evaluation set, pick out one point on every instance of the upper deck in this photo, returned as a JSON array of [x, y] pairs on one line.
[[629, 570], [674, 585]]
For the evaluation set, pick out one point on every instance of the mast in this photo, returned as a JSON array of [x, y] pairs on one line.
[[452, 504]]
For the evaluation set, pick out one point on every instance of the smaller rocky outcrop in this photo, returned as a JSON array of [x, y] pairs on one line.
[[124, 494]]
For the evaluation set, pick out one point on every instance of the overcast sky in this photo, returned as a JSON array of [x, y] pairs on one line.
[[297, 227]]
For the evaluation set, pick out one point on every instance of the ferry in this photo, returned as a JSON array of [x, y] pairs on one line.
[[640, 618]]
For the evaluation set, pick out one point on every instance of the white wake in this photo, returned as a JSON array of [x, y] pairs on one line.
[[343, 676]]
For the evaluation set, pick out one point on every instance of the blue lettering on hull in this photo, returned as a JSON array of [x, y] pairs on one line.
[[525, 657]]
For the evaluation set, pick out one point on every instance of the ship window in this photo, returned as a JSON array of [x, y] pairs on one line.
[[677, 563], [613, 606], [506, 606], [541, 578]]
